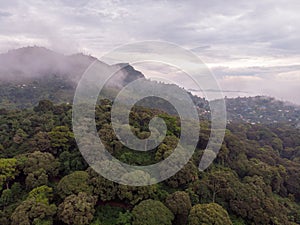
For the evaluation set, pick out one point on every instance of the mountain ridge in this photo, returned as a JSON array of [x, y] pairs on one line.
[[31, 74]]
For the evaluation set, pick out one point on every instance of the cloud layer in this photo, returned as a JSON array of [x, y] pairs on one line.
[[251, 46]]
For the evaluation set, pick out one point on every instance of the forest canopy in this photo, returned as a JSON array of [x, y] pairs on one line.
[[255, 178]]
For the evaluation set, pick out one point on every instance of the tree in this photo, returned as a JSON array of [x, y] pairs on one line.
[[36, 179], [20, 136], [124, 218], [36, 209], [41, 194], [38, 166], [6, 197], [253, 201], [77, 209], [277, 144], [209, 214], [44, 106], [40, 142], [11, 195], [109, 138], [180, 204], [216, 182], [39, 160], [61, 139], [151, 212], [71, 161], [135, 194], [105, 189], [73, 184], [4, 218], [184, 176], [8, 171], [166, 148]]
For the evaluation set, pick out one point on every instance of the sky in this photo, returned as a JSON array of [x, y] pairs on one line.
[[252, 47]]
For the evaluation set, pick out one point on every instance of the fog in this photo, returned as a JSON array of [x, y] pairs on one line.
[[33, 62], [37, 62]]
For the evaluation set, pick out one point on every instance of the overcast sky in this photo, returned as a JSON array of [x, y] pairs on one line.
[[251, 46]]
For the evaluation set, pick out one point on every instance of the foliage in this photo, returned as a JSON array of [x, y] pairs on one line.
[[255, 177], [77, 209], [135, 194], [74, 183], [8, 171], [150, 212], [180, 204], [210, 214], [107, 215], [39, 167], [36, 209]]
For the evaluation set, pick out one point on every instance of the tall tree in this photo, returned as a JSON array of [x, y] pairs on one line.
[[36, 209], [61, 139], [209, 214], [180, 204], [105, 189], [38, 166], [8, 171], [77, 209], [135, 194], [151, 212], [73, 184]]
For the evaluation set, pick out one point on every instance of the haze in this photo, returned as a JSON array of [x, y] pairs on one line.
[[253, 47]]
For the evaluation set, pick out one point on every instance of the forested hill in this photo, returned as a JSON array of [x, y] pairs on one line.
[[262, 109], [44, 179], [31, 74]]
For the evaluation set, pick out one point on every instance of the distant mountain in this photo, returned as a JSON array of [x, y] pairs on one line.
[[31, 74], [36, 62]]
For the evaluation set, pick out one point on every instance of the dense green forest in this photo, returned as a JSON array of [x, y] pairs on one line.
[[262, 109], [44, 180]]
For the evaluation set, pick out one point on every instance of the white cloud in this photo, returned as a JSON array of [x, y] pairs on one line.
[[293, 76], [242, 78]]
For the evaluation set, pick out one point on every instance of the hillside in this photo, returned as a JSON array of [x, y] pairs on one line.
[[261, 109], [45, 180], [43, 177], [31, 74]]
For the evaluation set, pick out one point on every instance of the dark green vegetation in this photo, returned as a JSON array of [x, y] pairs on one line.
[[27, 93], [261, 109], [44, 179]]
